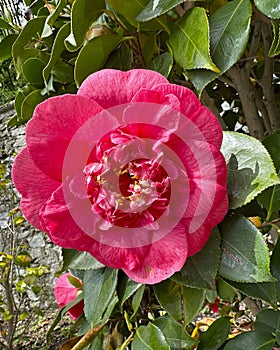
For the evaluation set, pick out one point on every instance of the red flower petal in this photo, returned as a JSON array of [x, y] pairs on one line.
[[111, 87], [34, 186], [54, 123]]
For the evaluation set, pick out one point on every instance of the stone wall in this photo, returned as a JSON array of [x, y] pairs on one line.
[[41, 249]]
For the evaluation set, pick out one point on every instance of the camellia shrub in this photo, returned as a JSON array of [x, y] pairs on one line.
[[164, 208]]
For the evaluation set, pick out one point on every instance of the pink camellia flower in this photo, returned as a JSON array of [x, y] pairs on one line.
[[129, 170], [65, 292]]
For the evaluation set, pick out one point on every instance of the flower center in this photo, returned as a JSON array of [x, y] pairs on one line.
[[138, 197]]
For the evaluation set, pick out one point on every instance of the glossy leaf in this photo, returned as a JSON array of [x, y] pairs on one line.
[[270, 200], [275, 266], [136, 301], [6, 46], [73, 259], [189, 40], [84, 13], [174, 333], [149, 337], [5, 24], [250, 341], [263, 290], [94, 54], [155, 9], [267, 321], [181, 303], [216, 335], [57, 49], [249, 172], [224, 290], [162, 64], [229, 33], [98, 286], [272, 144], [275, 46], [245, 256], [30, 33], [29, 103], [32, 70], [200, 269], [130, 9], [127, 289], [53, 17], [270, 8]]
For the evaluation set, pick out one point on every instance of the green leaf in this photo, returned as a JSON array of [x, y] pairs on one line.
[[216, 335], [5, 24], [272, 144], [181, 303], [162, 64], [120, 59], [136, 301], [200, 269], [275, 266], [130, 9], [245, 256], [29, 103], [73, 259], [83, 14], [52, 18], [270, 200], [156, 8], [93, 55], [264, 291], [57, 49], [250, 341], [32, 70], [224, 290], [22, 48], [189, 40], [174, 333], [275, 46], [127, 289], [229, 33], [249, 172], [98, 287], [149, 337], [267, 321], [6, 46], [270, 8]]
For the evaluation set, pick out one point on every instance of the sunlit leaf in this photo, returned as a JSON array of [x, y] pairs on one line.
[[83, 14], [249, 172], [189, 40], [229, 33], [270, 8]]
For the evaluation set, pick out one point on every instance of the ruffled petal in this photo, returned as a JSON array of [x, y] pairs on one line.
[[165, 257], [191, 107], [54, 123], [34, 186], [111, 87]]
